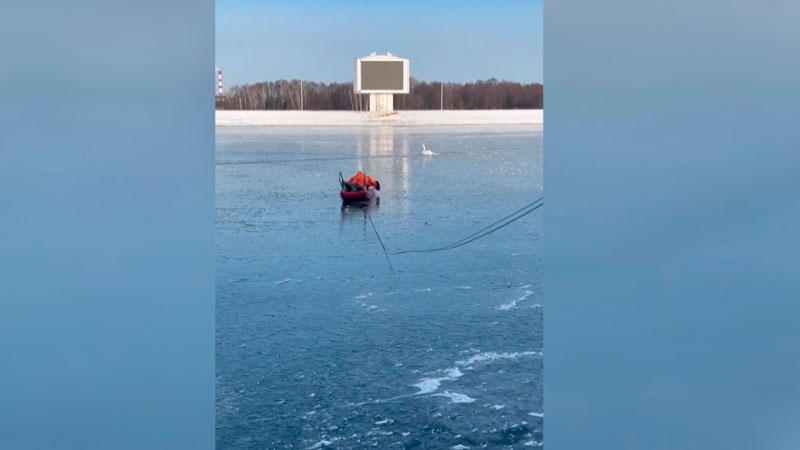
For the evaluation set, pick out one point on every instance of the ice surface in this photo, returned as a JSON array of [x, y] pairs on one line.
[[427, 348]]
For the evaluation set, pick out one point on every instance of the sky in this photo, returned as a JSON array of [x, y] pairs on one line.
[[317, 40]]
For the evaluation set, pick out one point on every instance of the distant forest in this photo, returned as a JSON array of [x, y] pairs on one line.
[[286, 95]]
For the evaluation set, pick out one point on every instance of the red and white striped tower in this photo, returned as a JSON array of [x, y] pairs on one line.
[[219, 81]]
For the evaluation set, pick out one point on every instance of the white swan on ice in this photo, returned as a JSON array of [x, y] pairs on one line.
[[427, 152]]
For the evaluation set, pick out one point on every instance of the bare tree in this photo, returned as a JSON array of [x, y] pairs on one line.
[[482, 94]]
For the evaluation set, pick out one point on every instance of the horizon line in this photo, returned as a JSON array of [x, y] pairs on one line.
[[410, 78]]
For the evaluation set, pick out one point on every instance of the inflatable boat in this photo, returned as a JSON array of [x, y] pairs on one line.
[[355, 193], [357, 196]]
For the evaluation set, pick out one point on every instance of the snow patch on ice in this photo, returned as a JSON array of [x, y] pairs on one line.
[[455, 397], [344, 118], [323, 443], [431, 385], [494, 356], [513, 304]]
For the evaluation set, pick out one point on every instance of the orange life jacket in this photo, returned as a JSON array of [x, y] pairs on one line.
[[359, 180]]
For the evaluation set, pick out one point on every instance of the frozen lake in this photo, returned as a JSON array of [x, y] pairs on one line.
[[320, 345]]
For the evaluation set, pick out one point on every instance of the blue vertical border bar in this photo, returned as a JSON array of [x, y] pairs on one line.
[[106, 228], [673, 290]]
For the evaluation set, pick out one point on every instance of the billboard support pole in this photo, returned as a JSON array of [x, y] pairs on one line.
[[381, 103]]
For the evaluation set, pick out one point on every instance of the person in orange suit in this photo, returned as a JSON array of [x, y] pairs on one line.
[[361, 180]]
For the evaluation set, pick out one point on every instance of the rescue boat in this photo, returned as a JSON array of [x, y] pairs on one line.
[[358, 196], [352, 193]]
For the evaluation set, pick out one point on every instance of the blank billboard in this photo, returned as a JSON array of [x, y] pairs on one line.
[[382, 75]]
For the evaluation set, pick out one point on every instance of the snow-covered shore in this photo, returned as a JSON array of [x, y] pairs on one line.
[[227, 118]]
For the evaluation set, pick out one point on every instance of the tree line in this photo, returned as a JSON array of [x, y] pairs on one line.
[[292, 94]]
